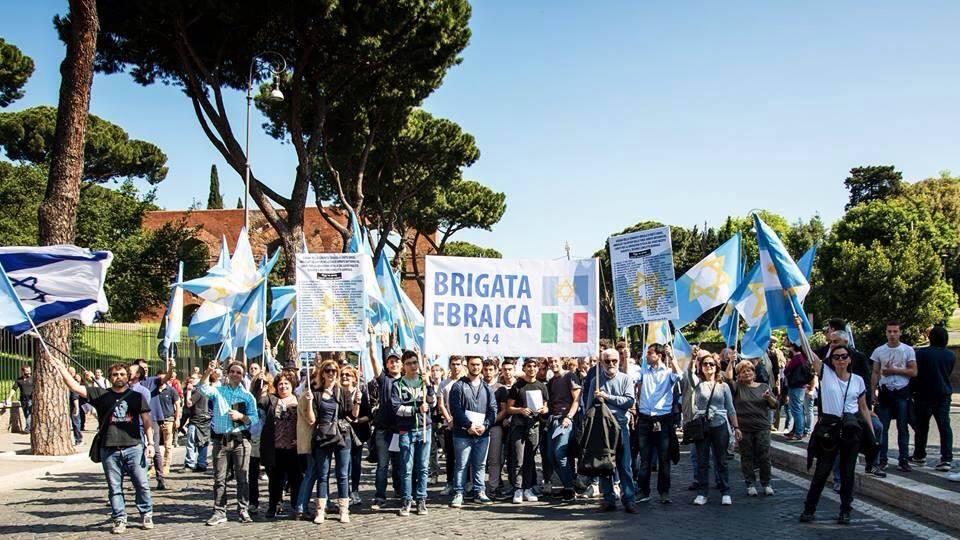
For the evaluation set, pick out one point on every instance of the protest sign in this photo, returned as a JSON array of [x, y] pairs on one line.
[[643, 277], [490, 307], [330, 302]]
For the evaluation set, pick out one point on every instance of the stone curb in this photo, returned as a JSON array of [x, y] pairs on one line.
[[934, 503]]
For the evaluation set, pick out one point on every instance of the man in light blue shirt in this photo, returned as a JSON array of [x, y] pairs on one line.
[[234, 411], [658, 376]]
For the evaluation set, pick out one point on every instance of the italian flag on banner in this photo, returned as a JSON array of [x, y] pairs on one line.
[[565, 318]]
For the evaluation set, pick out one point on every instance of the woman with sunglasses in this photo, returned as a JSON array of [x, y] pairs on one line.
[[838, 431], [328, 413], [712, 399]]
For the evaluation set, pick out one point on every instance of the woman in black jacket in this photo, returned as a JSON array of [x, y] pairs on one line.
[[361, 428], [278, 442]]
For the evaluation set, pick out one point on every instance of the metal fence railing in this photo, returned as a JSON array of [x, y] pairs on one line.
[[100, 345]]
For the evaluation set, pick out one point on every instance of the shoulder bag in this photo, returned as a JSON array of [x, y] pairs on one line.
[[696, 429]]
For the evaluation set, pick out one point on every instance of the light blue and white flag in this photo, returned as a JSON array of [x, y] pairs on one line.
[[404, 316], [223, 264], [283, 303], [682, 350], [729, 325], [12, 311], [56, 282], [750, 298], [250, 321], [173, 316], [210, 323], [785, 286], [709, 283], [658, 332], [756, 339], [232, 288]]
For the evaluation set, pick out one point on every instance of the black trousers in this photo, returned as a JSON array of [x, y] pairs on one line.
[[647, 441], [286, 470], [523, 467], [847, 451]]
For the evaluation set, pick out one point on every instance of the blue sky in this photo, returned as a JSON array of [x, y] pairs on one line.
[[592, 116]]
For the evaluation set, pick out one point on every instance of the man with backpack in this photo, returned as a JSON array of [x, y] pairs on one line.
[[615, 391]]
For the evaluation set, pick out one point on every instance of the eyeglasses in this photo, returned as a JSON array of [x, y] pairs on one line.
[[611, 362], [235, 372], [841, 356], [710, 364], [329, 370]]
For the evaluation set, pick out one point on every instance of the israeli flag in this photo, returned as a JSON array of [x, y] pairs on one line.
[[56, 282], [709, 283], [785, 286], [12, 311]]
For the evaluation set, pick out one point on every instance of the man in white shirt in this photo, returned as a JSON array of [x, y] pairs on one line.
[[894, 364]]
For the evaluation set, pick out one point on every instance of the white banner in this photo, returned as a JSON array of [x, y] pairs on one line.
[[330, 302], [501, 307], [644, 285]]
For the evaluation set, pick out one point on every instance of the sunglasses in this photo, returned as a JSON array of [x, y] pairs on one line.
[[842, 356], [710, 364], [329, 370], [611, 362]]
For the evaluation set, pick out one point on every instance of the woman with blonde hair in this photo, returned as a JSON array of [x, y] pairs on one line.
[[327, 412]]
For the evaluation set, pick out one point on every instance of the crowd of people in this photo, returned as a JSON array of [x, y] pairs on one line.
[[297, 427]]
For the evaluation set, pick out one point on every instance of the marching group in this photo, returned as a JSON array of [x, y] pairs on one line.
[[300, 426]]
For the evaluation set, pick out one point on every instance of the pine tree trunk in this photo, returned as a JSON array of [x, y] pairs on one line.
[[50, 431], [291, 246]]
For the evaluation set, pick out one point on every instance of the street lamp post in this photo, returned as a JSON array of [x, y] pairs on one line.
[[278, 66]]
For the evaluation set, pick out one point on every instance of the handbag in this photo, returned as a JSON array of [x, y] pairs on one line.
[[696, 429], [97, 442], [329, 434]]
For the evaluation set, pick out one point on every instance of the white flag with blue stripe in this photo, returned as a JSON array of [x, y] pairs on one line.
[[173, 317], [56, 282]]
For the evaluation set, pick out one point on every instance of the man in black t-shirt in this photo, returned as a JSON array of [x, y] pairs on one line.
[[24, 384], [525, 429], [122, 412]]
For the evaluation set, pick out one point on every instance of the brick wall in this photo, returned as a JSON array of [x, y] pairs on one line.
[[321, 237]]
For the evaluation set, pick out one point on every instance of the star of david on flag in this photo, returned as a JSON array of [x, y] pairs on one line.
[[709, 283]]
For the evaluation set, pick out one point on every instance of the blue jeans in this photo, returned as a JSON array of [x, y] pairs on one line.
[[693, 463], [557, 454], [796, 410], [196, 455], [75, 427], [381, 440], [470, 451], [306, 485], [131, 461], [715, 445], [624, 470], [886, 409], [27, 406], [414, 458], [324, 458]]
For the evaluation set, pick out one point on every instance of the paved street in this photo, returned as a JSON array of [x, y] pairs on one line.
[[74, 506]]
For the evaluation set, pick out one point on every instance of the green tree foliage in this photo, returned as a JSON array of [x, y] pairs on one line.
[[420, 172], [873, 183], [109, 153], [214, 199], [15, 69], [881, 262], [940, 197], [354, 71], [144, 261], [466, 249]]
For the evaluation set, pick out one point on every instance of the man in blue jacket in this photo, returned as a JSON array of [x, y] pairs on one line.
[[473, 406]]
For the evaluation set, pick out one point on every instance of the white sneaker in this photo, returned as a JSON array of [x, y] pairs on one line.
[[767, 490], [700, 500], [592, 491], [447, 490], [518, 496], [726, 500], [752, 491], [528, 496]]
